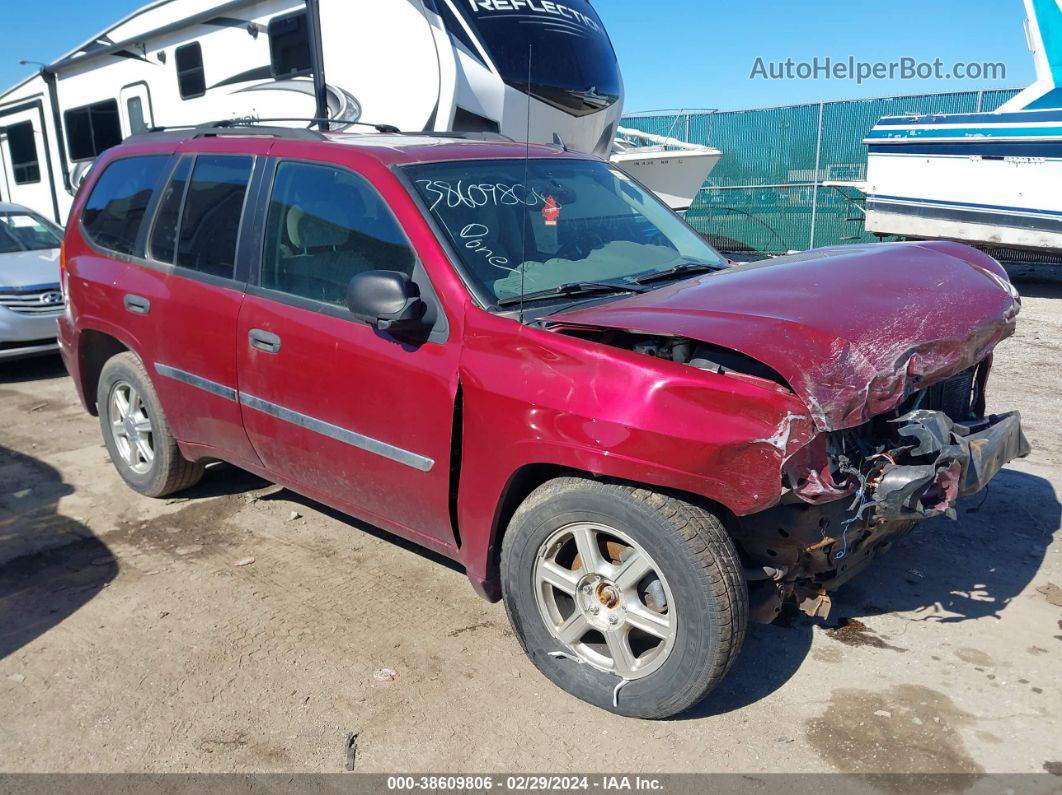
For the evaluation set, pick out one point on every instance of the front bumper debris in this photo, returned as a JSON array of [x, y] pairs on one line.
[[947, 459], [800, 551]]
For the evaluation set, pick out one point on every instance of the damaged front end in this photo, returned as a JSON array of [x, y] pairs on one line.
[[852, 492]]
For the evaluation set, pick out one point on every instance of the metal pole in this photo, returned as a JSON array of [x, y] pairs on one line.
[[320, 90], [980, 100], [815, 181]]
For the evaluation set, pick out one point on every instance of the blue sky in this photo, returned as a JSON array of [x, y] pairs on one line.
[[688, 53]]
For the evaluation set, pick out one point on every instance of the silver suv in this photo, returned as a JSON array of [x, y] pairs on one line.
[[30, 298]]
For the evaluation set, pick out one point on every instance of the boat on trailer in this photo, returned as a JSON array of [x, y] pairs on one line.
[[989, 179], [676, 170], [520, 68]]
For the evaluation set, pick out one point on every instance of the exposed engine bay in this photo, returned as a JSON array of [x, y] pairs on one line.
[[848, 494]]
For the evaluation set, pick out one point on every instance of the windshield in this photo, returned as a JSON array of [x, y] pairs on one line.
[[573, 65], [585, 221], [22, 231]]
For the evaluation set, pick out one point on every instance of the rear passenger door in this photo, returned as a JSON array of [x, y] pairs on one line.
[[336, 408], [195, 243]]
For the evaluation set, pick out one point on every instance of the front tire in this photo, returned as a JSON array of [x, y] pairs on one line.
[[136, 432], [609, 585]]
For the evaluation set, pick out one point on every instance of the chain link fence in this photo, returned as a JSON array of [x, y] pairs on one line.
[[767, 193]]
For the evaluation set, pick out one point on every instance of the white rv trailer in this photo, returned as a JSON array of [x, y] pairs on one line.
[[438, 65]]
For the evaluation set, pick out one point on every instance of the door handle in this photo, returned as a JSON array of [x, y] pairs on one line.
[[137, 304], [264, 341]]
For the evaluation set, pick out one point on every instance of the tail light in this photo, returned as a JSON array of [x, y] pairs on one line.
[[62, 271]]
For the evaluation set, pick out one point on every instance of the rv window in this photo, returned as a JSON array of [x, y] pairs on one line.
[[210, 222], [91, 129], [135, 108], [324, 226], [289, 45], [22, 145], [115, 209], [191, 79], [164, 235]]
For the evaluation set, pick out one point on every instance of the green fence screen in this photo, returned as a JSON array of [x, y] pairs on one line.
[[767, 192]]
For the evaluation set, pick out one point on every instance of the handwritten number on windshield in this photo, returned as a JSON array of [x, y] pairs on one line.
[[480, 194]]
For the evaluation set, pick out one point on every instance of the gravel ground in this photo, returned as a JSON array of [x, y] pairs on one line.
[[136, 635]]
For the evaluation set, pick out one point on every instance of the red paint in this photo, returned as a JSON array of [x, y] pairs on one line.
[[849, 330]]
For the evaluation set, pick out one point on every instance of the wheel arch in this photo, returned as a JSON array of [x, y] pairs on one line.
[[94, 349], [529, 477]]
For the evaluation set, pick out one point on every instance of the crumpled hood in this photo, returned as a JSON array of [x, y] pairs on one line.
[[29, 268], [852, 329]]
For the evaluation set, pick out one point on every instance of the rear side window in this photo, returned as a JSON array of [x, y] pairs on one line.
[[210, 218], [92, 129], [325, 225], [168, 216], [22, 144], [289, 45], [115, 209]]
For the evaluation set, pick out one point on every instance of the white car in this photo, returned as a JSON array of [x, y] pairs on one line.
[[30, 299]]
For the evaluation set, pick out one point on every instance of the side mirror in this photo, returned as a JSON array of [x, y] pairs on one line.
[[386, 300]]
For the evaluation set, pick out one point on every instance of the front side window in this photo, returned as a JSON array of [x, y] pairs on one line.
[[289, 45], [571, 221], [22, 145], [210, 217], [92, 129], [325, 225], [26, 231], [115, 209]]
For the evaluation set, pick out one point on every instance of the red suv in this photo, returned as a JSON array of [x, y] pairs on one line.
[[520, 358]]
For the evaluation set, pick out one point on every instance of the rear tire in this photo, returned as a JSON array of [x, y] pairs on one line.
[[688, 640], [136, 432]]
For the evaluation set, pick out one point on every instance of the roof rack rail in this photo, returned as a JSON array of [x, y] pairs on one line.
[[382, 128], [226, 127], [478, 135]]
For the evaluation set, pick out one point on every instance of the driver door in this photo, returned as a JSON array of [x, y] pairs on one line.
[[335, 408]]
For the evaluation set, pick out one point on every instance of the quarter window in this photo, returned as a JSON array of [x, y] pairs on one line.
[[191, 79], [324, 226], [114, 211], [210, 220], [92, 129], [22, 144], [289, 45]]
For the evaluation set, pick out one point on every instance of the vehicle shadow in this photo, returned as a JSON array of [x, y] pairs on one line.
[[943, 571], [376, 532], [38, 368], [50, 565]]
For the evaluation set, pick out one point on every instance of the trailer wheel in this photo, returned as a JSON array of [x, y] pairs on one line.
[[629, 599]]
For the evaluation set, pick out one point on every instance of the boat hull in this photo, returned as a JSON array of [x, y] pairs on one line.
[[982, 178], [675, 176]]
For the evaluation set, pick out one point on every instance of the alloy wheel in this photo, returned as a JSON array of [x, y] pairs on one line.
[[604, 598], [131, 427]]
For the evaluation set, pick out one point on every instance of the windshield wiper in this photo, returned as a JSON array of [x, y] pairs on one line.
[[679, 270], [572, 288]]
